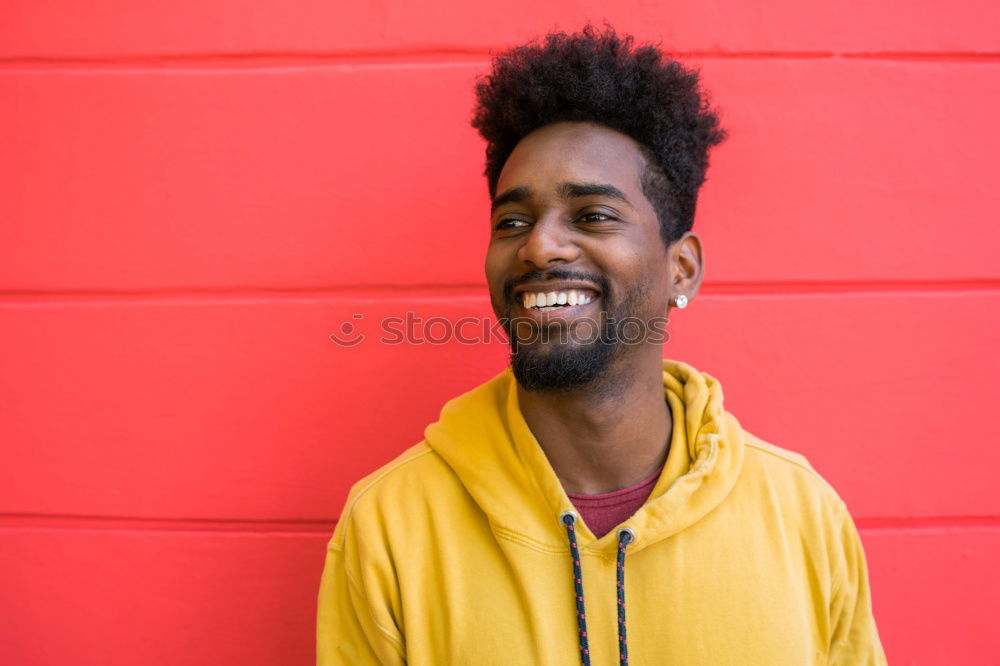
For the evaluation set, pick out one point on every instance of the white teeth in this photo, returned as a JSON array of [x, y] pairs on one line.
[[550, 300]]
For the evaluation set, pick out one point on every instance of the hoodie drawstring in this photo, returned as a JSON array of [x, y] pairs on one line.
[[569, 519], [625, 537]]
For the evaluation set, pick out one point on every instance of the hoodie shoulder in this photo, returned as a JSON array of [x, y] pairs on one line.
[[790, 457], [400, 462], [396, 484], [794, 468]]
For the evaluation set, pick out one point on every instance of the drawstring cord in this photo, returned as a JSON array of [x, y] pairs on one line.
[[625, 537], [569, 519]]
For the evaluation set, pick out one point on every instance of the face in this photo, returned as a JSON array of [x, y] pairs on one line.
[[575, 251]]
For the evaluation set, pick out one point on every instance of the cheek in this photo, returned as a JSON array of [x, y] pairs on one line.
[[655, 281]]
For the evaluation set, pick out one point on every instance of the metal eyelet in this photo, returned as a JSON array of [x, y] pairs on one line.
[[630, 532]]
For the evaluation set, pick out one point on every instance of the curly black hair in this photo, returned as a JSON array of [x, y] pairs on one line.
[[598, 76]]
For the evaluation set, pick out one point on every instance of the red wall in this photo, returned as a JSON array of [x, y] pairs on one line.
[[194, 195]]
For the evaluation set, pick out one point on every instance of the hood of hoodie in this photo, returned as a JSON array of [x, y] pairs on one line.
[[484, 438]]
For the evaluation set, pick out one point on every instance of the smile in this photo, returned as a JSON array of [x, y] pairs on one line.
[[555, 300]]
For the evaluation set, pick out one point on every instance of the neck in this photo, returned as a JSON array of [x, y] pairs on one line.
[[602, 438]]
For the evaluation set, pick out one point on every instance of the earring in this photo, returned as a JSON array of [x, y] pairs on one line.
[[680, 301]]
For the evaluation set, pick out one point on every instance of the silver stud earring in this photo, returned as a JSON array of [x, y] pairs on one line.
[[680, 301]]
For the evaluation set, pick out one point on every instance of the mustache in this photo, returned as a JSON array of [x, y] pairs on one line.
[[554, 274]]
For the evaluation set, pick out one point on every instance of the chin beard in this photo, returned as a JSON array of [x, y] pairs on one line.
[[564, 367]]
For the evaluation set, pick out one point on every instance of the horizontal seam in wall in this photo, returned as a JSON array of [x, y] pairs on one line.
[[324, 529], [447, 57], [187, 525], [374, 293], [926, 523]]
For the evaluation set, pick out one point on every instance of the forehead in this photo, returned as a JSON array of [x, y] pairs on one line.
[[574, 152]]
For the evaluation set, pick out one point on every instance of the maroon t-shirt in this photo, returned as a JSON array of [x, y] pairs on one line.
[[601, 513]]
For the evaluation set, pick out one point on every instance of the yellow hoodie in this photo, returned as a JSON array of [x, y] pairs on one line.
[[455, 552]]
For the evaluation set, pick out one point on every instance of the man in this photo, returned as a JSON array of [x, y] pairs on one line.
[[594, 502]]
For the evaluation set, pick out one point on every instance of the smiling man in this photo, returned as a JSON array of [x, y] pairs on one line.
[[506, 535]]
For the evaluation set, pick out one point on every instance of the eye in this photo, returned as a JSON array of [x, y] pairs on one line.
[[596, 218], [509, 223]]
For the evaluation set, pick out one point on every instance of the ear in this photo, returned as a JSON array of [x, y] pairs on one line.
[[687, 266]]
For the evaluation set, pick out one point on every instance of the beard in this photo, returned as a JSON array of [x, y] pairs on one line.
[[560, 358], [562, 368]]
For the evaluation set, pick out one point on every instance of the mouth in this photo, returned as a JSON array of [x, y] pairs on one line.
[[550, 303]]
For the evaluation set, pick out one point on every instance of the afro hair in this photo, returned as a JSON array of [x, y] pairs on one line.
[[600, 77]]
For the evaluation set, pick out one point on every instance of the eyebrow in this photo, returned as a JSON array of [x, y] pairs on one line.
[[566, 190], [513, 195], [573, 190]]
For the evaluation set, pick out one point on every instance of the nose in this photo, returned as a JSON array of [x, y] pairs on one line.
[[548, 243]]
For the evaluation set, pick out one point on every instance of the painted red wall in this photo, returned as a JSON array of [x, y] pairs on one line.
[[194, 195]]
